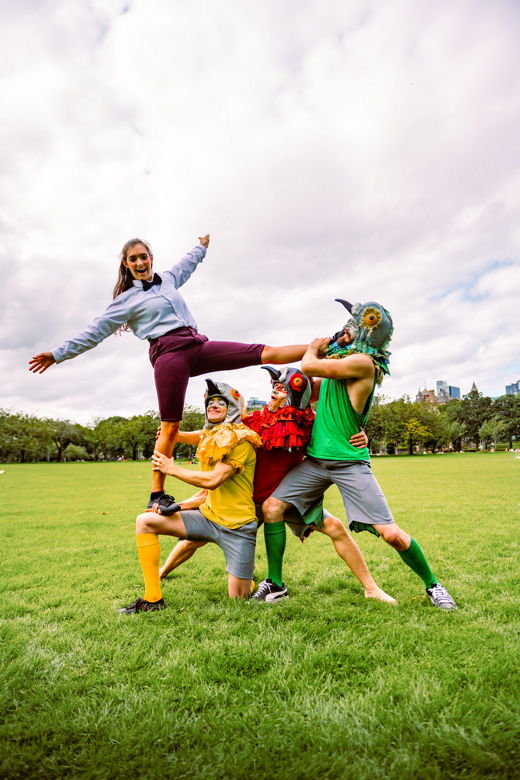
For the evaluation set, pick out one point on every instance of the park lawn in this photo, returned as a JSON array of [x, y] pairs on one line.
[[324, 685]]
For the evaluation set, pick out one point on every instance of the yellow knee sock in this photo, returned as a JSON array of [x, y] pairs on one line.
[[149, 551]]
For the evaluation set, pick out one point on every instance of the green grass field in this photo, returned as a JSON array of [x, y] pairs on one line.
[[324, 685]]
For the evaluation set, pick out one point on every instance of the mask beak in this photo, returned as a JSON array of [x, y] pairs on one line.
[[275, 374], [346, 304]]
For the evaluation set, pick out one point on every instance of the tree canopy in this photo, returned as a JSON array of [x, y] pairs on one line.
[[393, 423]]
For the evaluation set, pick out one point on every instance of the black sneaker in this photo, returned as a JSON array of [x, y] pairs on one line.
[[143, 606], [167, 504], [440, 597], [269, 591]]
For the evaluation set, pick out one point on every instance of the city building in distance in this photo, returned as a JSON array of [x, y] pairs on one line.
[[513, 389], [255, 403], [445, 393]]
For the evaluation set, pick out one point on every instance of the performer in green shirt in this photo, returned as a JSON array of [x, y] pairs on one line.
[[350, 366]]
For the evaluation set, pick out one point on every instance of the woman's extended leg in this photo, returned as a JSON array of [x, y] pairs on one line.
[[286, 354], [230, 355]]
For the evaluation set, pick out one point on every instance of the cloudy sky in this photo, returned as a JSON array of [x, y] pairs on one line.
[[364, 150]]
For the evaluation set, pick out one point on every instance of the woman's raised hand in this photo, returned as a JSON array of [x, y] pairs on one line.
[[204, 240], [40, 363]]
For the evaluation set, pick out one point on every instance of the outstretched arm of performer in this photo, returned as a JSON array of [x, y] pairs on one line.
[[40, 363], [209, 480], [184, 437], [355, 366]]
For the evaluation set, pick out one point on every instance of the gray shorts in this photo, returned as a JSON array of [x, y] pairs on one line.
[[294, 520], [237, 544], [362, 497]]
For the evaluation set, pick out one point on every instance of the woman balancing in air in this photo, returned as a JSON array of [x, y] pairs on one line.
[[151, 306]]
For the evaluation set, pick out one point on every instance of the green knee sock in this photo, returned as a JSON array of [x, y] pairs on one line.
[[414, 558], [275, 538]]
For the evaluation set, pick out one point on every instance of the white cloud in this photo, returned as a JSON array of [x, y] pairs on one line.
[[365, 152]]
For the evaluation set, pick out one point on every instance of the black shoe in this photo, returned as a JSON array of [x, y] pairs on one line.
[[167, 504], [143, 606], [440, 597], [269, 591]]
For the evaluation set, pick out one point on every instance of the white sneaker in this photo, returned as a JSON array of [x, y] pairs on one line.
[[269, 591], [440, 597]]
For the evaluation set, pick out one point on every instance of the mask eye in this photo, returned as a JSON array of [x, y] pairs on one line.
[[297, 382], [371, 318], [235, 394]]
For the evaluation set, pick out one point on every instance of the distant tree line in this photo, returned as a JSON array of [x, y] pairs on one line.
[[393, 424], [25, 437], [476, 420]]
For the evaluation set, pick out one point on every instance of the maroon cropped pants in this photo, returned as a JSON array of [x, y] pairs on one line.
[[182, 353]]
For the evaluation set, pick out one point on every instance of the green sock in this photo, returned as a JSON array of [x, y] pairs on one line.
[[414, 558], [275, 538]]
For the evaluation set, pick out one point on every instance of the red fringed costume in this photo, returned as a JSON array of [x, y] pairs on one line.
[[286, 428], [285, 434]]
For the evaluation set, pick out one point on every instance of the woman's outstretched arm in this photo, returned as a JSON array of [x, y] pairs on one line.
[[40, 363]]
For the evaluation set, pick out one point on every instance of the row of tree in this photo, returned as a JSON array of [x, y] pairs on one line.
[[476, 420], [27, 437]]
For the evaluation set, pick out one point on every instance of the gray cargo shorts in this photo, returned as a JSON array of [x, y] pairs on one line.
[[237, 544], [362, 497], [294, 520]]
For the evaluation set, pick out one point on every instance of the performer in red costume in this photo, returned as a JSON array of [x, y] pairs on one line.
[[285, 427]]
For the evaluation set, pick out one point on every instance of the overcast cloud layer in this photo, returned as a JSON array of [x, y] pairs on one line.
[[366, 150]]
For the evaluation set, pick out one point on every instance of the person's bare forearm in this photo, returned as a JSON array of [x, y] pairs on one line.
[[354, 366], [188, 437], [200, 479], [314, 366], [194, 501], [208, 480]]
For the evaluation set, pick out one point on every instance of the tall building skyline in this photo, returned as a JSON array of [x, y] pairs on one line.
[[444, 393]]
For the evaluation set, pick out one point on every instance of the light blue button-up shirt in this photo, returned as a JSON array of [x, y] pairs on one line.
[[149, 313]]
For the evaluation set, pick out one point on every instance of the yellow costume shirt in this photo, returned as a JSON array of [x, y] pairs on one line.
[[231, 504]]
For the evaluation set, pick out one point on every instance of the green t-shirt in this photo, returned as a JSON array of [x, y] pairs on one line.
[[336, 421]]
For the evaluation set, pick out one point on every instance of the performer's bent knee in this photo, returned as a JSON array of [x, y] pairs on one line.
[[273, 510], [238, 587], [145, 523], [392, 534], [333, 527]]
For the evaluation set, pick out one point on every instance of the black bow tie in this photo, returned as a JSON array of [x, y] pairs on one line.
[[156, 280]]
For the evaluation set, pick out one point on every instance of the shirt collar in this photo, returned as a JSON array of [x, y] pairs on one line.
[[138, 283]]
